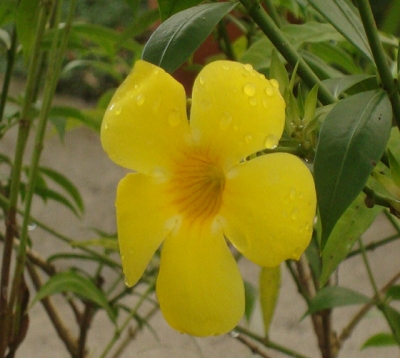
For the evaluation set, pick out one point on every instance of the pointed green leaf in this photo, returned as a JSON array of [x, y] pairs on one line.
[[250, 293], [345, 18], [379, 340], [81, 286], [394, 167], [339, 85], [180, 35], [393, 319], [393, 292], [352, 140], [270, 281], [354, 222], [278, 72], [170, 7], [310, 105], [335, 296]]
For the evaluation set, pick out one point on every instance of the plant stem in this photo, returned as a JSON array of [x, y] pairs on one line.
[[374, 245], [388, 82], [269, 344], [273, 13], [268, 27], [23, 132]]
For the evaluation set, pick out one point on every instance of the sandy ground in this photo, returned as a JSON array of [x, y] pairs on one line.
[[82, 159]]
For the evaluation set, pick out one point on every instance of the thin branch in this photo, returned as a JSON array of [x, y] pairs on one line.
[[254, 348]]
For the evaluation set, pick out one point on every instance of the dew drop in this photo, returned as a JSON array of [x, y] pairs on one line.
[[136, 87], [248, 67], [271, 142], [106, 125], [225, 67], [249, 89], [127, 282], [201, 79], [156, 71], [295, 213], [274, 83], [131, 94], [248, 138], [269, 91], [118, 110], [32, 226], [140, 100], [225, 121], [253, 102], [307, 227], [234, 334], [292, 193], [265, 103], [174, 118]]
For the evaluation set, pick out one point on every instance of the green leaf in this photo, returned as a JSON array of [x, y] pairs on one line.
[[270, 282], [337, 86], [335, 296], [394, 167], [170, 7], [179, 36], [74, 113], [81, 286], [345, 18], [25, 22], [105, 243], [66, 184], [101, 259], [393, 319], [310, 105], [278, 71], [379, 340], [352, 140], [250, 294], [393, 292], [354, 222]]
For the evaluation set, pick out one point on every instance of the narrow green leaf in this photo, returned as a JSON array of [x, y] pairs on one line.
[[393, 319], [270, 281], [25, 22], [337, 86], [250, 293], [379, 340], [352, 140], [104, 242], [310, 105], [394, 167], [345, 18], [66, 184], [69, 256], [354, 222], [179, 36], [81, 286], [393, 292], [335, 296], [278, 72], [170, 7], [74, 113]]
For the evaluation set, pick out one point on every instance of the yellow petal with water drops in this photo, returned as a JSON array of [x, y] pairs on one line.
[[145, 125], [236, 111], [199, 286], [144, 219], [268, 208]]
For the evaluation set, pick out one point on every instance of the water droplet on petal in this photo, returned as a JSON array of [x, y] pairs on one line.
[[174, 118], [295, 213], [253, 102], [156, 71], [248, 67], [265, 103], [131, 94], [136, 87], [249, 89], [201, 80], [269, 91], [248, 138], [140, 100], [292, 193], [225, 121], [105, 125], [225, 67], [271, 141], [274, 83]]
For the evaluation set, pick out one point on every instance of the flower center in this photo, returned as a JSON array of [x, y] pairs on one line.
[[197, 185]]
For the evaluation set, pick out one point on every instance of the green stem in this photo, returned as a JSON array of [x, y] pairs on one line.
[[7, 75], [273, 13], [286, 49], [132, 313], [388, 82], [269, 344], [374, 245]]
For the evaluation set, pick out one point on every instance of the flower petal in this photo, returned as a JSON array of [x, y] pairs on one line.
[[146, 122], [236, 111], [268, 208], [144, 219], [199, 287]]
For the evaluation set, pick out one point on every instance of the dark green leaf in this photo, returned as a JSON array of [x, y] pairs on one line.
[[393, 292], [335, 296], [179, 36], [339, 85], [379, 340], [352, 140], [66, 184], [171, 7], [393, 319], [250, 293], [81, 286], [354, 222], [345, 18], [25, 22]]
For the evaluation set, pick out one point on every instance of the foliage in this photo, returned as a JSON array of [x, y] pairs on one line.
[[338, 75]]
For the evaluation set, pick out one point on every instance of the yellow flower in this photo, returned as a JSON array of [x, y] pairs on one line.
[[192, 187]]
